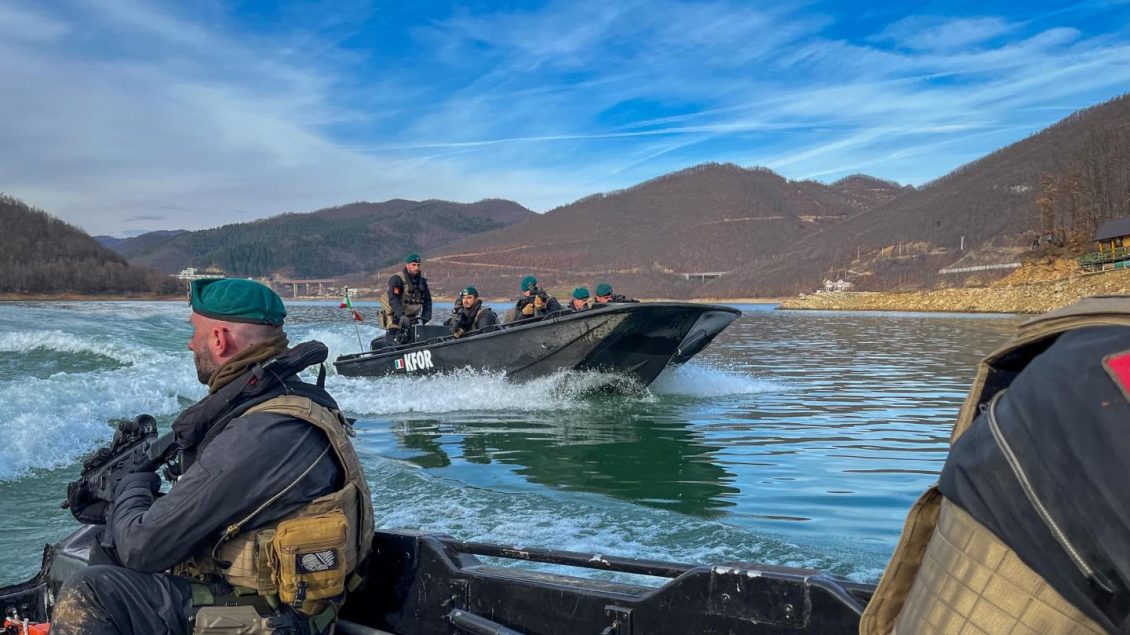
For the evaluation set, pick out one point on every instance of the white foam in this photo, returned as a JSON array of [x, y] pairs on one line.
[[341, 340], [52, 422], [469, 390], [698, 380], [60, 341]]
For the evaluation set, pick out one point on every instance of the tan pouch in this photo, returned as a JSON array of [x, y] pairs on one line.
[[231, 620], [310, 559]]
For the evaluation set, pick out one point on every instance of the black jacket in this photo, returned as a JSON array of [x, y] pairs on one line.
[[417, 293], [1065, 422], [234, 468], [551, 306], [477, 317]]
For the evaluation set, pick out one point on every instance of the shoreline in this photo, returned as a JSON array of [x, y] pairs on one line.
[[74, 297], [77, 297], [1007, 296]]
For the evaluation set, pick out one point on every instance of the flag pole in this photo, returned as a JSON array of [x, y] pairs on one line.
[[355, 316]]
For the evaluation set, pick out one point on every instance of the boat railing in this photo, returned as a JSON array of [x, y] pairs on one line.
[[427, 583]]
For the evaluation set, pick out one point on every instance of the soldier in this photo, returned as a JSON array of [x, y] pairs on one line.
[[1027, 529], [266, 465], [580, 300], [604, 295], [408, 299], [534, 302], [471, 315]]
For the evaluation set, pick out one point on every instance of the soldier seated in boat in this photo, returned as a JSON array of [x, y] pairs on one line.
[[271, 515], [470, 315], [579, 301], [604, 295], [1026, 530], [534, 302], [407, 301]]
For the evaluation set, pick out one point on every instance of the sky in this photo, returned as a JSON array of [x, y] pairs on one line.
[[125, 116]]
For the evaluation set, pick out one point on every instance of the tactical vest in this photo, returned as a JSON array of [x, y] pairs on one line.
[[948, 571], [307, 558], [467, 320], [411, 300]]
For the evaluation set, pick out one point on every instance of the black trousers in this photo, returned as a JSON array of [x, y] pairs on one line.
[[111, 600]]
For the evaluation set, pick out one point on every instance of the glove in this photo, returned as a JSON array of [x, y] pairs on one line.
[[138, 480], [84, 507], [458, 332], [527, 309], [540, 302], [405, 321]]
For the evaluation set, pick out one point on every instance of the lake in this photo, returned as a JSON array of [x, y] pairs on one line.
[[796, 438]]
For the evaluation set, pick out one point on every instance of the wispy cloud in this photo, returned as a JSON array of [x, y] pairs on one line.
[[121, 112]]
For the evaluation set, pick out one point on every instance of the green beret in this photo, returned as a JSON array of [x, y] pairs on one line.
[[603, 289], [412, 257], [236, 300], [581, 293], [471, 291], [529, 281]]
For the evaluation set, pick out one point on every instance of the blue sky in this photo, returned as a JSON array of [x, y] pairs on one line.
[[126, 116]]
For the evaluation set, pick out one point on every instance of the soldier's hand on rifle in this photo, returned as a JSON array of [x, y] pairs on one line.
[[135, 480], [405, 321]]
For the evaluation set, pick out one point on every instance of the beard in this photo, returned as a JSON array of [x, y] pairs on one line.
[[205, 366]]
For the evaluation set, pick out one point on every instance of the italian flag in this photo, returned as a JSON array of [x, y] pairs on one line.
[[348, 304]]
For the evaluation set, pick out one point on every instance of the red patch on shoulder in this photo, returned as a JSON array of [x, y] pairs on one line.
[[1118, 367], [396, 290]]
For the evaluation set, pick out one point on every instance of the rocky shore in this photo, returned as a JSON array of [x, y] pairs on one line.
[[1031, 289]]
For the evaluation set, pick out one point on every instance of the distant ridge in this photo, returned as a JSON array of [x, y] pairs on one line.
[[335, 241], [989, 205], [40, 254], [706, 218]]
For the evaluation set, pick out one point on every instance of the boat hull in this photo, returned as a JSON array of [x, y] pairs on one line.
[[637, 340], [430, 584]]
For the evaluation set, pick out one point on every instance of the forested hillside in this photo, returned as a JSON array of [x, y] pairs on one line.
[[358, 237], [40, 254]]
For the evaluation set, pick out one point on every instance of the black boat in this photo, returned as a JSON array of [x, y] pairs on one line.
[[630, 339], [428, 584]]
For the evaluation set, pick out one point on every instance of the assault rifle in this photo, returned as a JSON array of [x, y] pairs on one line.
[[136, 448]]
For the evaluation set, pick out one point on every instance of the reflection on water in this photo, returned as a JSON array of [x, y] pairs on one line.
[[643, 453]]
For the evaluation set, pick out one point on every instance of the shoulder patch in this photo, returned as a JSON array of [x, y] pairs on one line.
[[396, 290], [1118, 367]]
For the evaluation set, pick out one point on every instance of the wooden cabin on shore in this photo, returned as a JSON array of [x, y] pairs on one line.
[[1112, 247]]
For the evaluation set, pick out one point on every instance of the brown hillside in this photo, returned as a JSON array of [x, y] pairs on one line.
[[711, 217], [991, 202]]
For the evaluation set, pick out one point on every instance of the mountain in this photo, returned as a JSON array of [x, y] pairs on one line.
[[140, 242], [1062, 181], [41, 254], [708, 218], [358, 237]]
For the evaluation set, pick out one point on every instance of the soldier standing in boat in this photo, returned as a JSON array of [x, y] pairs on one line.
[[407, 300], [470, 315], [271, 516], [534, 302]]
